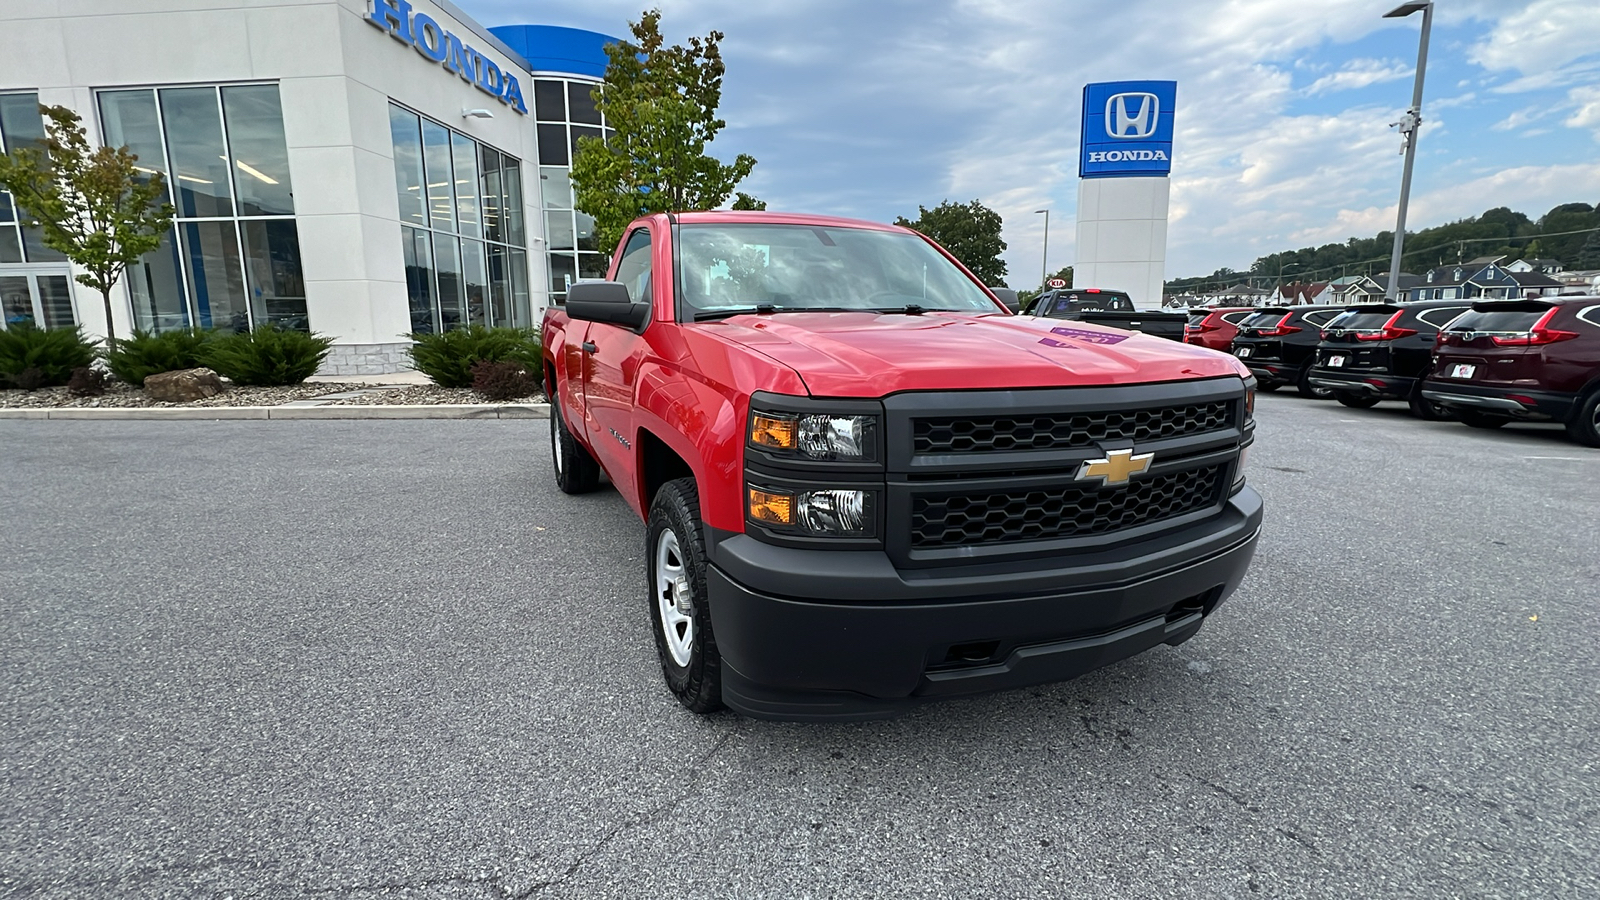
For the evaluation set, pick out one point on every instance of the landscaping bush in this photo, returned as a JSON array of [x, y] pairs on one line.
[[145, 354], [503, 380], [87, 381], [448, 358], [266, 356], [53, 352]]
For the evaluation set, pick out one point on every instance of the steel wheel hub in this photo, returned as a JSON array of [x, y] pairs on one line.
[[674, 600]]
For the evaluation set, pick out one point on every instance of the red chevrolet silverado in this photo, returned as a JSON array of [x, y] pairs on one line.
[[867, 484]]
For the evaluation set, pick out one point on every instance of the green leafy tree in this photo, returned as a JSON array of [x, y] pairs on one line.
[[1588, 255], [662, 102], [970, 231], [745, 201], [93, 204]]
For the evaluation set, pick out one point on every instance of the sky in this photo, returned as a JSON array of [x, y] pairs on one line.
[[870, 108]]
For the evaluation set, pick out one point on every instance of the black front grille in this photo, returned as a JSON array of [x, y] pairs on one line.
[[985, 434], [1074, 511]]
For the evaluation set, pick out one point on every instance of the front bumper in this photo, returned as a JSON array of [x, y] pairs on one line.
[[1505, 399], [841, 635], [1366, 384]]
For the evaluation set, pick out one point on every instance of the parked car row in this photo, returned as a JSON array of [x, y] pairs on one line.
[[1485, 363]]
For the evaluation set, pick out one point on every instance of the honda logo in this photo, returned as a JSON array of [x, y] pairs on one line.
[[1132, 115]]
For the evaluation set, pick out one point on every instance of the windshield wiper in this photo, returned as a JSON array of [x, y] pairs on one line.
[[710, 315]]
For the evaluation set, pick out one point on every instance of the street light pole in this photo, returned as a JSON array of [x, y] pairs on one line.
[[1044, 258], [1409, 124]]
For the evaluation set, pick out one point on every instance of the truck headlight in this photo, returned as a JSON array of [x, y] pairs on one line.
[[829, 512], [844, 438]]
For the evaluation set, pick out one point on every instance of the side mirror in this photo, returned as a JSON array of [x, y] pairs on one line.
[[1008, 297], [606, 301]]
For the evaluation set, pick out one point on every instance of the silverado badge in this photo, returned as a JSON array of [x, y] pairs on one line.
[[1117, 467]]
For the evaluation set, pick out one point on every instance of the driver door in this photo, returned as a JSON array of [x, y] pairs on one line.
[[611, 360]]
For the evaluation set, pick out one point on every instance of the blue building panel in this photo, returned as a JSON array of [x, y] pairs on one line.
[[552, 48], [1127, 129]]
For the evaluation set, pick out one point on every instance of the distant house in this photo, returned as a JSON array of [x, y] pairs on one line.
[[1358, 289], [1544, 266], [1237, 295], [1580, 281], [1297, 293], [1490, 281]]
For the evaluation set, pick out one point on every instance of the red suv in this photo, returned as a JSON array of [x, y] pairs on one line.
[[1522, 360], [1215, 328]]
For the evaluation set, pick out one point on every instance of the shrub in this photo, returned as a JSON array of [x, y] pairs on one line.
[[145, 354], [502, 380], [266, 356], [54, 352], [87, 381], [448, 358]]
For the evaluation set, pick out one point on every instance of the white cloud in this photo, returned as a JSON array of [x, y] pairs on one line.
[[1587, 103], [1359, 73], [1540, 42]]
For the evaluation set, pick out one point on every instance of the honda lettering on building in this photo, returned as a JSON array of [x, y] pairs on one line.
[[1127, 129], [424, 33]]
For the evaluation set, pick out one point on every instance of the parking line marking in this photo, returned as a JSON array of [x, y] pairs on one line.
[[1563, 458]]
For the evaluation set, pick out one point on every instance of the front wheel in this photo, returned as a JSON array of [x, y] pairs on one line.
[[1584, 426], [675, 573], [1474, 419], [1355, 401]]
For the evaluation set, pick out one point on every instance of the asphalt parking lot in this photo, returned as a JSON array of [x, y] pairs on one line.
[[389, 659]]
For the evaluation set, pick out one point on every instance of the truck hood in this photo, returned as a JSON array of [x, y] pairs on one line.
[[868, 354]]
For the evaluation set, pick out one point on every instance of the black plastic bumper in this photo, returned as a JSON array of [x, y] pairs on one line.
[[1505, 400], [1272, 372], [1366, 384], [829, 635]]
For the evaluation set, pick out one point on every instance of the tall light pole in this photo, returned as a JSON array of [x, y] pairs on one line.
[[1281, 267], [1409, 125], [1044, 258]]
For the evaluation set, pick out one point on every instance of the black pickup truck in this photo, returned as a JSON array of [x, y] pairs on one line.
[[1111, 308]]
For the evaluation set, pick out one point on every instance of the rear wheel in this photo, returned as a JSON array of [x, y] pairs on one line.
[[1355, 401], [1423, 408], [1475, 419], [1584, 426], [675, 570], [1307, 389], [576, 470]]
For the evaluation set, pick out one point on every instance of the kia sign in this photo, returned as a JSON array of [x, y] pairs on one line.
[[1127, 129]]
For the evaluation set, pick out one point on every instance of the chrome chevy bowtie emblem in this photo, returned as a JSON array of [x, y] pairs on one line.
[[1117, 467]]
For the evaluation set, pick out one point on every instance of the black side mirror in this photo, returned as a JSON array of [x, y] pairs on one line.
[[606, 301], [1008, 297]]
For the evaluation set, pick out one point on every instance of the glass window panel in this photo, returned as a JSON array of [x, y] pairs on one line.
[[216, 284], [436, 157], [558, 230], [499, 285], [591, 265], [582, 105], [476, 280], [195, 152], [465, 153], [555, 187], [553, 145], [33, 247], [260, 155], [155, 285], [272, 264], [55, 299], [407, 165], [579, 131], [10, 244], [563, 271], [419, 278], [489, 194], [447, 262], [20, 121], [586, 238], [16, 302], [129, 120], [521, 305], [7, 210], [511, 204], [549, 101]]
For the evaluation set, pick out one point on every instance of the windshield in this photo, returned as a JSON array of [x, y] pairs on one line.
[[799, 267]]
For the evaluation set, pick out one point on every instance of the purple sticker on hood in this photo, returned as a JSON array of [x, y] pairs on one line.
[[1093, 337]]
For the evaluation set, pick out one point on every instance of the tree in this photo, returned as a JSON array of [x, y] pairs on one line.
[[93, 204], [745, 201], [970, 231], [662, 102], [1588, 256]]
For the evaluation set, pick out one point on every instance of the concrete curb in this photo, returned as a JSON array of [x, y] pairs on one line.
[[375, 411]]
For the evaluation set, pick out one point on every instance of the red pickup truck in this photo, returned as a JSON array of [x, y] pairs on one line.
[[867, 484]]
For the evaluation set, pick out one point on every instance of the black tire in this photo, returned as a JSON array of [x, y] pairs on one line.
[[1475, 419], [694, 677], [1584, 426], [1425, 409], [1309, 390], [576, 471], [1355, 401]]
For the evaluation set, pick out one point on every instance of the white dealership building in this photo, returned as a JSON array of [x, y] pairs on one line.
[[359, 168]]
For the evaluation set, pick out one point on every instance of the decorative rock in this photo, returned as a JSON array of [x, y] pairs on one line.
[[183, 385]]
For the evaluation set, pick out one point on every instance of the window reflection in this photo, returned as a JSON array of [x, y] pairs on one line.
[[200, 174], [419, 277], [436, 156], [130, 119], [476, 280], [216, 279], [403, 128], [260, 154], [277, 283], [155, 284], [465, 153]]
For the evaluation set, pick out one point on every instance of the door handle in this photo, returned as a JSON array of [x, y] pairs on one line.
[[590, 347]]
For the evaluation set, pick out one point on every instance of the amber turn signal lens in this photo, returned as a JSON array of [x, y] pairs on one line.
[[775, 508], [770, 431]]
